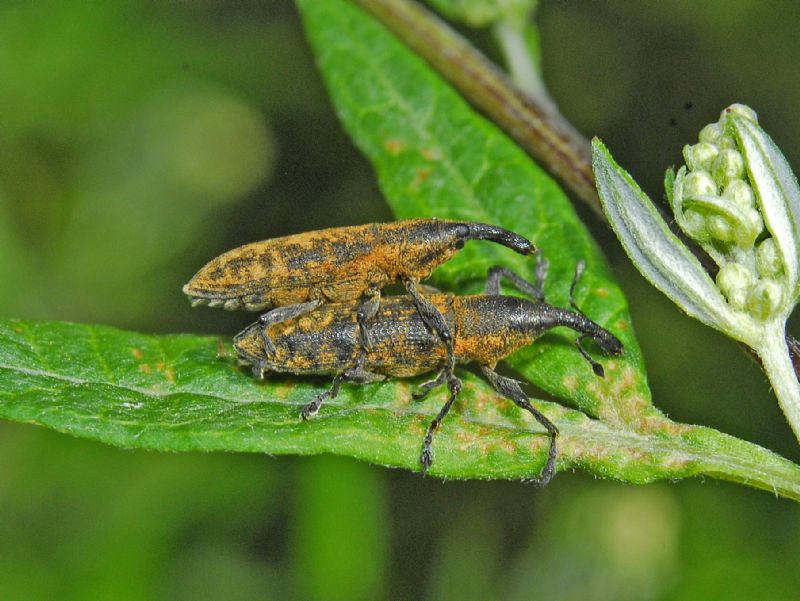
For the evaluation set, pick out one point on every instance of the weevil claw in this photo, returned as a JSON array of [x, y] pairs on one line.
[[426, 460], [310, 410]]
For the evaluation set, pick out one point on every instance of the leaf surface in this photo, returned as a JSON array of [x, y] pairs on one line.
[[173, 393]]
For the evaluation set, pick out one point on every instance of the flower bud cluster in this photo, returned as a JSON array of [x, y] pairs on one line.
[[715, 204], [738, 198]]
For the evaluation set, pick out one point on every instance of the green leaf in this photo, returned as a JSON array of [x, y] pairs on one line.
[[173, 393]]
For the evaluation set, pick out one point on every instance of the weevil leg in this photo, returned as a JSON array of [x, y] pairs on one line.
[[282, 314], [433, 319], [312, 408], [365, 311], [510, 389], [357, 374], [428, 289], [425, 389], [259, 367], [535, 290], [454, 385]]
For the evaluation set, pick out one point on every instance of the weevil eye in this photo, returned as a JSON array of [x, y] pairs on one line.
[[460, 232], [459, 244]]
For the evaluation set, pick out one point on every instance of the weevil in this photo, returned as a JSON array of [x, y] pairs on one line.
[[295, 274], [486, 328]]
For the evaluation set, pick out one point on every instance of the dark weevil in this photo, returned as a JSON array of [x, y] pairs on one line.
[[295, 274], [486, 328]]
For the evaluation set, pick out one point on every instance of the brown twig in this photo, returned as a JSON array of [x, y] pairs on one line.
[[537, 127]]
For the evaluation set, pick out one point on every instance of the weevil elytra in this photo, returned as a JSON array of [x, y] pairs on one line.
[[295, 274], [486, 328]]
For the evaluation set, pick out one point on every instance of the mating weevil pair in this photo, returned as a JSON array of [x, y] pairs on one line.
[[399, 336], [295, 274]]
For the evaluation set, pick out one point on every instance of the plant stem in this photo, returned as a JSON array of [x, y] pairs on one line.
[[519, 61], [778, 366]]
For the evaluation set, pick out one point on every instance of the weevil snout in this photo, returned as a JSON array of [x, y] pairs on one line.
[[484, 231]]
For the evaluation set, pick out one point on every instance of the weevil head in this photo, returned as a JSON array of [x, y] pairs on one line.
[[537, 318], [430, 242], [249, 345], [451, 235]]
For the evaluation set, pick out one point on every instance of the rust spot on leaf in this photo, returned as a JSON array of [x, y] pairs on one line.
[[419, 425], [420, 177], [620, 399], [658, 423], [673, 463], [137, 354], [431, 154], [145, 368], [393, 146]]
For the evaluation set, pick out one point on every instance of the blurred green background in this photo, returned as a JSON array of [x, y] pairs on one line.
[[139, 139]]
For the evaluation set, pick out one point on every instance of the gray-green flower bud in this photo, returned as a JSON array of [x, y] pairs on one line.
[[728, 166], [700, 156], [764, 299], [711, 134], [720, 228], [740, 193], [768, 260], [694, 224], [699, 183], [734, 281], [716, 199]]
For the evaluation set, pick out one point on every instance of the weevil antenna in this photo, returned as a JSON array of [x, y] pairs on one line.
[[580, 266], [596, 367], [534, 290], [608, 342]]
